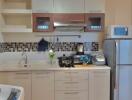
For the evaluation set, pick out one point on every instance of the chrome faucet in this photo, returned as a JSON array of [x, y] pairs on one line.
[[25, 59]]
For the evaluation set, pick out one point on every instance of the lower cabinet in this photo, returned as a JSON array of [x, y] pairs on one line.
[[99, 85], [61, 85], [4, 78], [43, 85], [71, 95], [22, 79], [71, 85]]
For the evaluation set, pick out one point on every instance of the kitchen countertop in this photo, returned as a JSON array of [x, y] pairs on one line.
[[49, 67]]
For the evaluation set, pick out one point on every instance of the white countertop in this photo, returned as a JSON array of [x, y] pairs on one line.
[[49, 67]]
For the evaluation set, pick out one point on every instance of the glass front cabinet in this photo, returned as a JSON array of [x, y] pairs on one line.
[[43, 22], [94, 22]]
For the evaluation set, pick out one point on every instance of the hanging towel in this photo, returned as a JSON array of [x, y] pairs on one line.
[[43, 45]]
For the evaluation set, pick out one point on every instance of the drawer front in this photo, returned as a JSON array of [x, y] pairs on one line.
[[42, 74], [71, 75], [71, 95], [71, 85]]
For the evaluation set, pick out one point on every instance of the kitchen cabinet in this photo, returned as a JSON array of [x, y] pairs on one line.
[[71, 85], [99, 83], [71, 95], [42, 22], [92, 84], [43, 85], [94, 6], [69, 18], [4, 78], [42, 6], [94, 22], [22, 79], [16, 16], [69, 6]]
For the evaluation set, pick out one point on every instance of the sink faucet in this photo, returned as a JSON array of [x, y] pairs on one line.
[[25, 59]]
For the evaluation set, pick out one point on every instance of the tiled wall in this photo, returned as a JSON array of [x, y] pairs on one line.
[[56, 46]]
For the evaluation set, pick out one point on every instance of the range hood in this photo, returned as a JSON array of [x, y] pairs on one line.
[[69, 22], [69, 26]]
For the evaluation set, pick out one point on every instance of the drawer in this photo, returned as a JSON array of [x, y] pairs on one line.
[[71, 85], [71, 95], [71, 75]]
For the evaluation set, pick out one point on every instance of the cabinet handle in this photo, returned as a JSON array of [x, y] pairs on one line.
[[71, 93], [22, 73], [71, 72], [43, 73], [71, 82]]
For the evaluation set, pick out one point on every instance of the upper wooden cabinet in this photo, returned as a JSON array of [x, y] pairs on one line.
[[94, 6], [42, 6], [69, 6], [42, 22], [69, 17], [94, 22]]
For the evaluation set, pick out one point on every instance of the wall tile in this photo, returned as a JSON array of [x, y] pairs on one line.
[[56, 46]]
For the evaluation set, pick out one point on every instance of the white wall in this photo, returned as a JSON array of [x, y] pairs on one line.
[[118, 12], [35, 37], [1, 36]]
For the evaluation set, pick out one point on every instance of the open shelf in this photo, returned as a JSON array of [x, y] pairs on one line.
[[16, 11], [16, 4], [16, 23], [16, 30], [16, 16]]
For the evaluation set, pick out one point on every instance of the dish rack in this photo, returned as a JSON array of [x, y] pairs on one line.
[[8, 92]]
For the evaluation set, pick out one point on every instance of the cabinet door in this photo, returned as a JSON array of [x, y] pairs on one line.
[[95, 22], [71, 95], [43, 85], [125, 82], [22, 79], [4, 78], [99, 85], [71, 75], [94, 6], [42, 22], [69, 6], [43, 6]]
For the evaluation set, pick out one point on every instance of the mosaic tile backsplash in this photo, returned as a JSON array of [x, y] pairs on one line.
[[57, 46]]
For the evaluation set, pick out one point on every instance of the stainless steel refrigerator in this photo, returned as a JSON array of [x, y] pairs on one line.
[[118, 53]]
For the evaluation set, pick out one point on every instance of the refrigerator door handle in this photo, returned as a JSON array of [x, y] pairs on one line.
[[117, 71]]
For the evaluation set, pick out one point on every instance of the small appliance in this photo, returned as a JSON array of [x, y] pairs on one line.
[[119, 31], [65, 61], [82, 59], [80, 49], [99, 59]]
